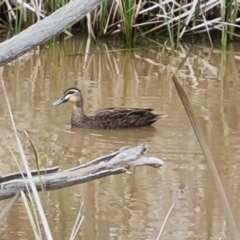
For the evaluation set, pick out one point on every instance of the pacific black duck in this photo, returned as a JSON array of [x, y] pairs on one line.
[[107, 118]]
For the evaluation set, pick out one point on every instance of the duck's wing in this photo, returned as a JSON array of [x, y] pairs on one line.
[[125, 117]]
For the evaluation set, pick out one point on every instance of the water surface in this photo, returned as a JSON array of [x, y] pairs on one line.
[[127, 206]]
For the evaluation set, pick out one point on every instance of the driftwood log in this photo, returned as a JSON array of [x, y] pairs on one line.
[[52, 179], [45, 29]]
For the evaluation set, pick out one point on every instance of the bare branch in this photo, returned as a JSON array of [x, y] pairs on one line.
[[114, 163]]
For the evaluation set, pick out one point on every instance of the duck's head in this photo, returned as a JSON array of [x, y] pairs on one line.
[[73, 95]]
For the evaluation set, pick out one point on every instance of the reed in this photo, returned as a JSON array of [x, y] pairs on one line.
[[31, 199], [166, 20]]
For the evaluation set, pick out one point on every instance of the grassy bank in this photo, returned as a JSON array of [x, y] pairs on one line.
[[166, 20]]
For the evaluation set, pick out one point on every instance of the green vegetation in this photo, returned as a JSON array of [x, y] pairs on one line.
[[165, 20]]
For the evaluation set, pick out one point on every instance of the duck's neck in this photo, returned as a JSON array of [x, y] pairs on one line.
[[78, 115], [79, 104], [78, 108]]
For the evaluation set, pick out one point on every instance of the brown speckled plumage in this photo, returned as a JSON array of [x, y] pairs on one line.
[[107, 118]]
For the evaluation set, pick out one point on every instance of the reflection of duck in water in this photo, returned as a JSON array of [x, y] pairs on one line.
[[107, 118]]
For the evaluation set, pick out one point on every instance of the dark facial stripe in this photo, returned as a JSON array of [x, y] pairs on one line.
[[71, 91]]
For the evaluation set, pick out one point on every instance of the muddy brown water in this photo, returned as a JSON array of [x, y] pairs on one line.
[[127, 206]]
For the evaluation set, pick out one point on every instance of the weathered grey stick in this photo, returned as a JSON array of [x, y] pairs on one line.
[[43, 30], [114, 163], [18, 175]]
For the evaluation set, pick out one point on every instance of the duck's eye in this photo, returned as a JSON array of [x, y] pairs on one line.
[[69, 93]]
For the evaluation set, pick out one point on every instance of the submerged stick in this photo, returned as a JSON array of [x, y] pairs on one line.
[[115, 163], [208, 157], [45, 29]]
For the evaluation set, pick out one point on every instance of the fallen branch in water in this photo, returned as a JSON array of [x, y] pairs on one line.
[[115, 163], [45, 29]]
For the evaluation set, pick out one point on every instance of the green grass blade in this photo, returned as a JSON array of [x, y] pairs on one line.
[[31, 216]]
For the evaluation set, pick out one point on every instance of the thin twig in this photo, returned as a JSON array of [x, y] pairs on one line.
[[77, 223], [6, 210], [165, 221]]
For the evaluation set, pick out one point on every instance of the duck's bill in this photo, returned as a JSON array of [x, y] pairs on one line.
[[59, 101]]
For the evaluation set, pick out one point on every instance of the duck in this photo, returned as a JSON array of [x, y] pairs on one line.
[[106, 118]]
